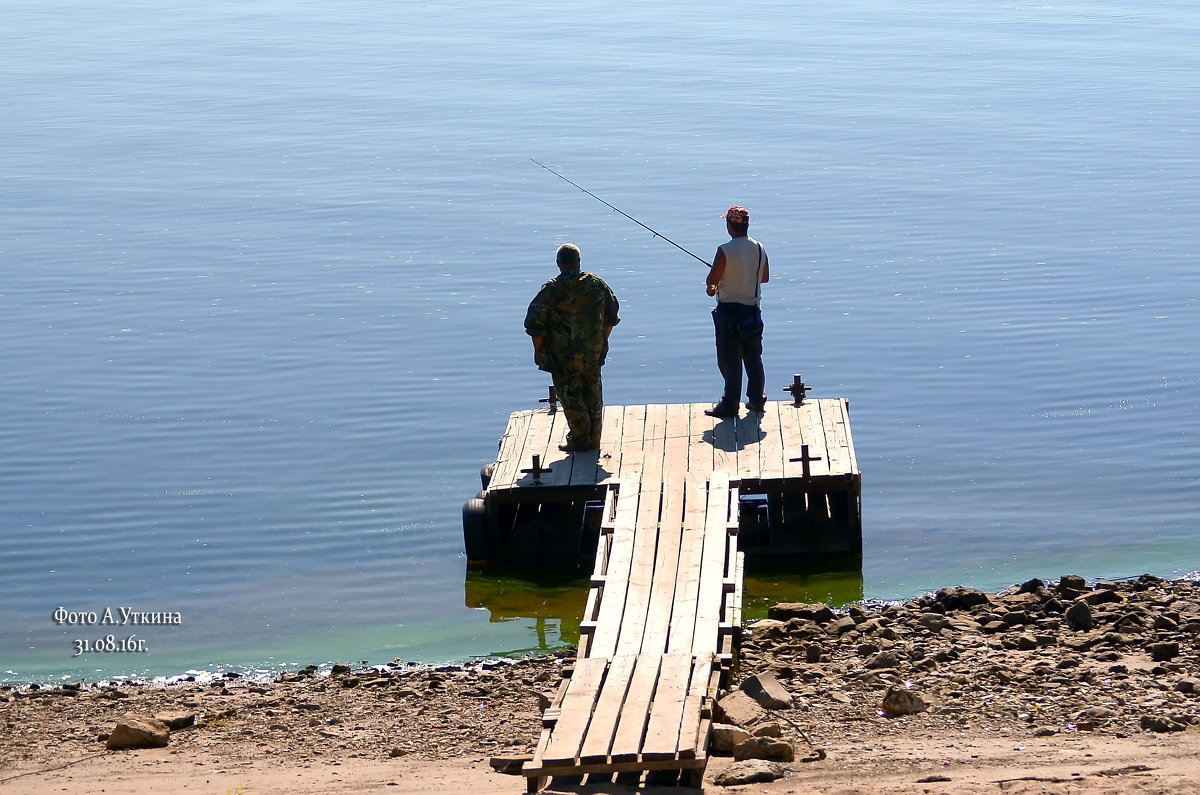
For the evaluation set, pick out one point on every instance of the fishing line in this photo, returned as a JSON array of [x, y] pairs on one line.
[[622, 212]]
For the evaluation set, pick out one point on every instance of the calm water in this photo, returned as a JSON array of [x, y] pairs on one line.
[[264, 268]]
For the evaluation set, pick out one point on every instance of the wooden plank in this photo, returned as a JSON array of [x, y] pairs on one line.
[[712, 569], [729, 587], [834, 422], [608, 465], [604, 544], [551, 429], [675, 449], [809, 416], [666, 567], [566, 738], [550, 716], [691, 743], [793, 438], [700, 446], [687, 590], [771, 447], [627, 741], [748, 433], [641, 574], [597, 466], [735, 603], [508, 459], [616, 579], [608, 710], [641, 571], [849, 436], [610, 767], [587, 625], [724, 446], [664, 725], [633, 434], [654, 443]]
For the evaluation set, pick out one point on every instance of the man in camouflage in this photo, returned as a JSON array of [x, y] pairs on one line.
[[569, 320]]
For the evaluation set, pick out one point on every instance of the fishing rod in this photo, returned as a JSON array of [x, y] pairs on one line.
[[622, 212]]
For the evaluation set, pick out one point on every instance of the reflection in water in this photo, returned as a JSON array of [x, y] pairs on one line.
[[836, 587], [555, 608]]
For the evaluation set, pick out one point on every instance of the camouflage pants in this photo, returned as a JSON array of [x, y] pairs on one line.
[[582, 400]]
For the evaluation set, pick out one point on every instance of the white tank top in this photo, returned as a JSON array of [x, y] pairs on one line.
[[744, 259]]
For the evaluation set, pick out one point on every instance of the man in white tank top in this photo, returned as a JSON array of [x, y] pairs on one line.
[[738, 271]]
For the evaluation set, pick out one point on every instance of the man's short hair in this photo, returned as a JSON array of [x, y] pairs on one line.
[[567, 254]]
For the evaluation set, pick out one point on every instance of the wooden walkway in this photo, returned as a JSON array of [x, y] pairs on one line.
[[681, 438], [664, 608], [657, 632]]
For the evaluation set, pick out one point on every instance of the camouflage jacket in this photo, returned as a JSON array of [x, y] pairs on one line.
[[571, 312]]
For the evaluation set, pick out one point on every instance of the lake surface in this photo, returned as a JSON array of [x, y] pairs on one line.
[[263, 270]]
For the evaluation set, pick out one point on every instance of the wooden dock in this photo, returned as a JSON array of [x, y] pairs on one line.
[[657, 633], [665, 513]]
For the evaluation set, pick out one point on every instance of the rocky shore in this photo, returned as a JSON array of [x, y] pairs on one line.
[[1045, 687]]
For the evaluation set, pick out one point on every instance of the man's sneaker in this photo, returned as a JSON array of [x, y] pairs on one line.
[[756, 407], [722, 411]]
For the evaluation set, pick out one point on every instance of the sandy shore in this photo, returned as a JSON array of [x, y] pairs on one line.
[[1024, 691]]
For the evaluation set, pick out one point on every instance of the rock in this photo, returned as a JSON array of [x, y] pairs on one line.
[[1071, 584], [960, 598], [764, 748], [884, 659], [933, 622], [723, 737], [820, 613], [767, 691], [1159, 723], [1165, 624], [812, 653], [138, 731], [1079, 616], [898, 702], [1101, 597], [768, 628], [802, 628], [842, 625], [771, 729], [1032, 586], [177, 720], [338, 669], [509, 766], [1131, 624], [1186, 686], [755, 771], [1161, 652], [740, 709]]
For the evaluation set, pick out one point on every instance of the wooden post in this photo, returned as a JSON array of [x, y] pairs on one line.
[[798, 388], [536, 470]]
